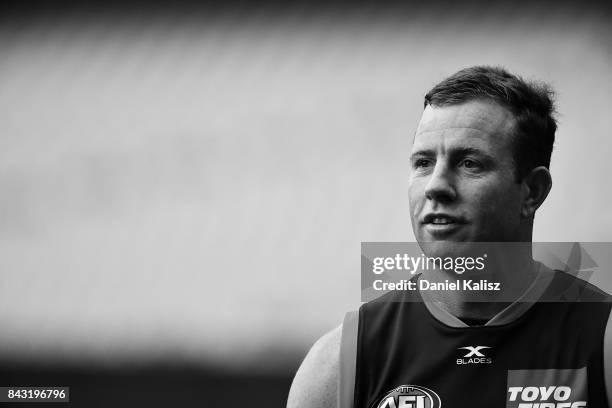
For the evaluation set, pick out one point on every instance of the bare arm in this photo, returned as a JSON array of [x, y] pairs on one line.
[[316, 382], [608, 359]]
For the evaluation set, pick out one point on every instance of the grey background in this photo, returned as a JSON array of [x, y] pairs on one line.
[[192, 183]]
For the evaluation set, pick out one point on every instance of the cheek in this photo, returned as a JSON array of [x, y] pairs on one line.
[[416, 196], [502, 204]]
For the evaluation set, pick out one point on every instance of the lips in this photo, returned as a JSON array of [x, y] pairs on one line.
[[441, 219], [442, 226]]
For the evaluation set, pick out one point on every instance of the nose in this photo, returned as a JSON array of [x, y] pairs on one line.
[[440, 186]]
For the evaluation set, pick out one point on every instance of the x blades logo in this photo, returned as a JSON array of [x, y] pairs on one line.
[[474, 351], [474, 356]]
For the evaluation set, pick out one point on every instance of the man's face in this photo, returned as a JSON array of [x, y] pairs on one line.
[[462, 182]]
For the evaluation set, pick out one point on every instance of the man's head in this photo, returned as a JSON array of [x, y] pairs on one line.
[[530, 103], [480, 158]]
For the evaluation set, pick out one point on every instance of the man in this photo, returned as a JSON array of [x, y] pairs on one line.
[[479, 171]]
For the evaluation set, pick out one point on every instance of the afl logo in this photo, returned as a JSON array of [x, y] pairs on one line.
[[410, 396]]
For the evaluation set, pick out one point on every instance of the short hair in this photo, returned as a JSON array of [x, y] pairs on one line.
[[531, 103]]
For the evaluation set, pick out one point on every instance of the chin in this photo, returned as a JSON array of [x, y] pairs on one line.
[[450, 248]]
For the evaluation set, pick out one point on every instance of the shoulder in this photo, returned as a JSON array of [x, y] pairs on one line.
[[608, 359], [568, 287], [316, 382]]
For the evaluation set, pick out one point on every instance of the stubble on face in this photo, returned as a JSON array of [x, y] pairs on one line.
[[462, 169]]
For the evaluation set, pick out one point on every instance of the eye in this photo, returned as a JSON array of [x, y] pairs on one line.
[[470, 164], [422, 163]]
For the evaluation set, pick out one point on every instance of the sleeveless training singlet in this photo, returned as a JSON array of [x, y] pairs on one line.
[[549, 357]]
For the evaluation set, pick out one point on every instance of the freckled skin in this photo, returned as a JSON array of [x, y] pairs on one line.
[[461, 164]]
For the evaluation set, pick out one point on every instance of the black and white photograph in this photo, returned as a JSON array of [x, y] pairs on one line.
[[306, 204]]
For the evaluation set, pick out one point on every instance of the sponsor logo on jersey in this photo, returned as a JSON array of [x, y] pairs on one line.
[[547, 388], [544, 397], [474, 355], [410, 396]]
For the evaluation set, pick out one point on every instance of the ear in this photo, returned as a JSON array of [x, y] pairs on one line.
[[536, 186]]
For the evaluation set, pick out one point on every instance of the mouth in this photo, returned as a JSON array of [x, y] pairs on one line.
[[440, 225], [441, 219]]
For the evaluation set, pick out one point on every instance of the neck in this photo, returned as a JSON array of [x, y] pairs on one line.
[[508, 267]]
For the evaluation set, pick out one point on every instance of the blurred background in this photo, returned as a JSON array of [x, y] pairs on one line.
[[184, 188]]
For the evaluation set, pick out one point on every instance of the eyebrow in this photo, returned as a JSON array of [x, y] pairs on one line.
[[422, 153], [460, 151]]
